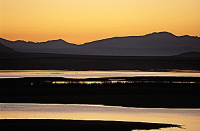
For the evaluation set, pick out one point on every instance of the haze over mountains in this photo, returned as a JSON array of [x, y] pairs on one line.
[[155, 44], [5, 49]]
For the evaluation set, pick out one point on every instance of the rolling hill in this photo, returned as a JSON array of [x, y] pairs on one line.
[[154, 44]]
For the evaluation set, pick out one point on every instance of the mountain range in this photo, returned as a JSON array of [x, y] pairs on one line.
[[154, 44]]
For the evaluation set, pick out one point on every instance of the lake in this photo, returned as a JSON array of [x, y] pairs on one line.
[[94, 74], [188, 118]]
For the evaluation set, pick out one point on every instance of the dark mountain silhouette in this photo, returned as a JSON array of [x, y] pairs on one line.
[[11, 60], [189, 54], [6, 52], [52, 46], [5, 49], [154, 44]]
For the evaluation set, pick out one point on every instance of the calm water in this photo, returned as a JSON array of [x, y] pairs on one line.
[[92, 74], [190, 118]]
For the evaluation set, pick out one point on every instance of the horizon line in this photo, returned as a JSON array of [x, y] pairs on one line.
[[102, 38]]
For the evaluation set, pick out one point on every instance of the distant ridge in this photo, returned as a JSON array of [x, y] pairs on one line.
[[164, 33], [6, 52], [5, 49], [189, 54], [153, 44]]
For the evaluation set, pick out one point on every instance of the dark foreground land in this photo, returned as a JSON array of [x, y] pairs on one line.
[[77, 125], [31, 61], [154, 92]]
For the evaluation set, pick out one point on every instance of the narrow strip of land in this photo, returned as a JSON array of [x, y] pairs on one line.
[[77, 125], [154, 92]]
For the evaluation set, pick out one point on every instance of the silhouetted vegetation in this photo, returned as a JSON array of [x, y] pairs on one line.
[[137, 92]]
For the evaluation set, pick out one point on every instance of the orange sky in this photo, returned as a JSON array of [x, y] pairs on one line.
[[79, 21]]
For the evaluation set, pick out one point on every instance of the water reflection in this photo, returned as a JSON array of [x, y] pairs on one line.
[[93, 74], [90, 82], [190, 118], [120, 82]]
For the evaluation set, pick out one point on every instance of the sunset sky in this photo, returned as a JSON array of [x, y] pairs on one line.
[[79, 21]]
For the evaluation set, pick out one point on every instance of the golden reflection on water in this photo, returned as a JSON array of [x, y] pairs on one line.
[[190, 122], [90, 82], [190, 118], [92, 74], [112, 82]]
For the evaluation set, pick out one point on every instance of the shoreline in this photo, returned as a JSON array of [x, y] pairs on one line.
[[75, 125]]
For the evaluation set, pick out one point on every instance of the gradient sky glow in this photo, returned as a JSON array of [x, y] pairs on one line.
[[79, 21]]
